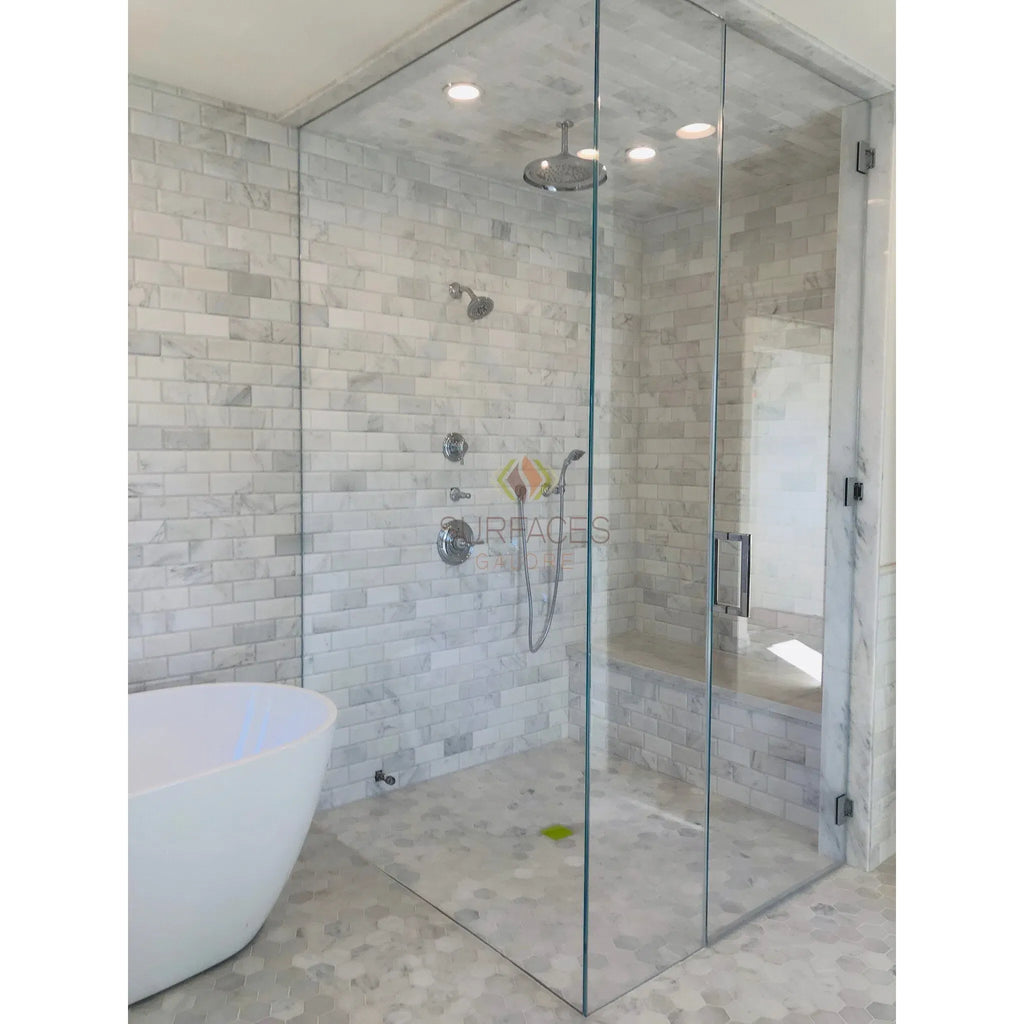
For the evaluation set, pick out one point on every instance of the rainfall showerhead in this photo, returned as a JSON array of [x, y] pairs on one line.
[[563, 172], [479, 305]]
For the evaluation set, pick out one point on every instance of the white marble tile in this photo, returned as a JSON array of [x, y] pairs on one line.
[[346, 944], [868, 679]]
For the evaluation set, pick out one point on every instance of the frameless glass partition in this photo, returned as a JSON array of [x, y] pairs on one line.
[[567, 336], [446, 362], [660, 73]]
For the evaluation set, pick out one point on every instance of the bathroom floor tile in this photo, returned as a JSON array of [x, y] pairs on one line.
[[800, 963], [472, 843], [345, 944]]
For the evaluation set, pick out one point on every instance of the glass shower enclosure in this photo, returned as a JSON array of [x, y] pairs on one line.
[[574, 561]]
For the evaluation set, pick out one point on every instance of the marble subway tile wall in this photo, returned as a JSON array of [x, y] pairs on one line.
[[428, 662], [764, 754], [214, 424], [778, 300], [677, 350], [616, 387]]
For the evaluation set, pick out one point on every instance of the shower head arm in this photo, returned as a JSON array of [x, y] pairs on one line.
[[455, 290], [565, 126]]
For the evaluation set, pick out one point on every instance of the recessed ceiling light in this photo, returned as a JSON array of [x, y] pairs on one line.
[[640, 153], [587, 154], [462, 91], [697, 130]]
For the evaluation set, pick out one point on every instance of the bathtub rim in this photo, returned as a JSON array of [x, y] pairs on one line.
[[329, 724]]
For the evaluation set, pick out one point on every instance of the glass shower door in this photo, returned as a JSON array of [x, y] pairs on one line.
[[772, 824]]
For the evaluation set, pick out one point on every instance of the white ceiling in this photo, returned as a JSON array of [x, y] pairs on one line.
[[270, 55], [281, 57], [864, 30]]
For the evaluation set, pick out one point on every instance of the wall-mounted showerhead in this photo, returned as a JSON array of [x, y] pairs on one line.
[[479, 305], [563, 172]]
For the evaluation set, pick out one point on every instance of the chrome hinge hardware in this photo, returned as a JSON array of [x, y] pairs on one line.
[[853, 490], [865, 157], [844, 809]]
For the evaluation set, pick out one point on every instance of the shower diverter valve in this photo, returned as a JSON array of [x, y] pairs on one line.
[[455, 542]]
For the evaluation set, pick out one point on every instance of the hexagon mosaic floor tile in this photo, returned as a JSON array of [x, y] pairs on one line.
[[346, 944], [824, 956], [473, 844]]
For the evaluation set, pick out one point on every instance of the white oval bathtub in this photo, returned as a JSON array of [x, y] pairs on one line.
[[223, 780]]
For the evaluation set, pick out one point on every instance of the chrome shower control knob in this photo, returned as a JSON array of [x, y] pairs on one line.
[[455, 542], [454, 447], [456, 495]]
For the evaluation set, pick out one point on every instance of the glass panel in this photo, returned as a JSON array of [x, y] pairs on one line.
[[660, 70], [415, 209], [782, 128]]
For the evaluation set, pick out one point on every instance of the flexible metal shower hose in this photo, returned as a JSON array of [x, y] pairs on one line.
[[534, 647]]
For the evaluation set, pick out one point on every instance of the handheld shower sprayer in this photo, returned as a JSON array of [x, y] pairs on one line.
[[559, 489], [573, 456]]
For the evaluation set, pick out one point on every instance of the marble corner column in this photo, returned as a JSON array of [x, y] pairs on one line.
[[840, 532], [861, 850]]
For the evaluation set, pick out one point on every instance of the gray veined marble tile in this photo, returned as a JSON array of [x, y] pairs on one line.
[[346, 944]]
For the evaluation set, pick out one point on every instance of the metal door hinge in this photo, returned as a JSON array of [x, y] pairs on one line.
[[865, 157], [853, 491], [844, 809]]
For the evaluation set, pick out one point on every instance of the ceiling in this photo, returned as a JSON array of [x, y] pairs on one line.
[[273, 56], [295, 60], [660, 68]]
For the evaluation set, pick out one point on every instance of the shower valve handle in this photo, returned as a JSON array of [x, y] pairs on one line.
[[454, 447], [455, 541], [456, 495]]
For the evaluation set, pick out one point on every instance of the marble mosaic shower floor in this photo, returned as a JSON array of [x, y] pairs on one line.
[[345, 944], [470, 843]]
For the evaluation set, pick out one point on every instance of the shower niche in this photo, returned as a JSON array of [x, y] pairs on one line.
[[613, 738]]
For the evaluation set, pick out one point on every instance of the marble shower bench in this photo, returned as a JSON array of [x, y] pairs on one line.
[[648, 706]]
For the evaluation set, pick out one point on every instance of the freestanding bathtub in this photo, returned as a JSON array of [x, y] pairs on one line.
[[223, 780]]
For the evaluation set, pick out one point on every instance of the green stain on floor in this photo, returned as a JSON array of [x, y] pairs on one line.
[[556, 832]]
